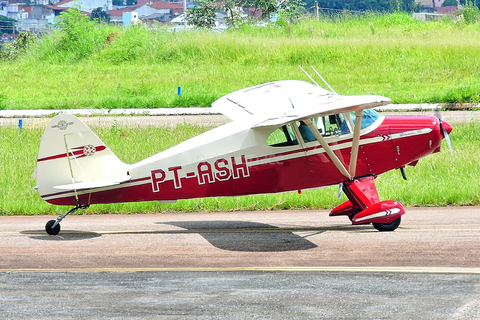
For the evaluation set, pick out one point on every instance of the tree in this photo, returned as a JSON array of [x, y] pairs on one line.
[[203, 14], [267, 7], [366, 5], [234, 11], [409, 6], [470, 3], [100, 15], [286, 9], [291, 9], [470, 12], [450, 3]]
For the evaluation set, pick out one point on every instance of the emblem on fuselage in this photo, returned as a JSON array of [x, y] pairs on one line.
[[89, 150]]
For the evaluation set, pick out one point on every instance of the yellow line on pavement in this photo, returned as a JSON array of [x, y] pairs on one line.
[[444, 270]]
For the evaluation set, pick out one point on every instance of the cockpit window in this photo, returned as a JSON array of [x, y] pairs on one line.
[[332, 125], [283, 136], [336, 125], [369, 117], [327, 126]]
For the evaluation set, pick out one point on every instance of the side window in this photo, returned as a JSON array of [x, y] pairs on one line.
[[305, 131], [283, 136], [335, 124]]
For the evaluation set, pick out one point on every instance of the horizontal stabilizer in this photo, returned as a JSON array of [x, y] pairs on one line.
[[94, 184]]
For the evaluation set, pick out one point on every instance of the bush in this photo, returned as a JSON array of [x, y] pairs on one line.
[[76, 38], [20, 45], [470, 13]]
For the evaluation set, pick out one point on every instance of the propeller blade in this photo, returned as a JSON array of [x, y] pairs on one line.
[[445, 129], [449, 143]]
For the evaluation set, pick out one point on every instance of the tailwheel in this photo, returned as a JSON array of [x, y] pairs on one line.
[[52, 228], [387, 226]]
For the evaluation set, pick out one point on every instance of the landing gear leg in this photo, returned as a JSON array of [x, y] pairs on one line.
[[53, 226], [364, 205]]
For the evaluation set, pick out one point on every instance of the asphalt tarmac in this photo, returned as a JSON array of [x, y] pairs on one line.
[[241, 265]]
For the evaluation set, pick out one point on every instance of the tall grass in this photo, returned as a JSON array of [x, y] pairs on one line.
[[392, 55], [437, 180]]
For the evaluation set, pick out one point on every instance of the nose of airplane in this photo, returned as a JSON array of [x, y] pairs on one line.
[[445, 127]]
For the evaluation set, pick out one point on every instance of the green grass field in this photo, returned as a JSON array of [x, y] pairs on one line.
[[392, 55], [437, 180]]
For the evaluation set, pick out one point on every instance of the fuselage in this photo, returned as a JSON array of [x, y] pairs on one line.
[[235, 160]]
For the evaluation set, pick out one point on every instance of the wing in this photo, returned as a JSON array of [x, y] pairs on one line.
[[280, 102]]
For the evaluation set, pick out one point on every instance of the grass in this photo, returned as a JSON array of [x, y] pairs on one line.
[[392, 55], [437, 180]]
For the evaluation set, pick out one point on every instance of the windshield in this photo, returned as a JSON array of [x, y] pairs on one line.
[[368, 118], [327, 126]]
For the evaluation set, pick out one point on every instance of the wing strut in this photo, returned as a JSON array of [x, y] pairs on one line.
[[356, 142], [327, 149]]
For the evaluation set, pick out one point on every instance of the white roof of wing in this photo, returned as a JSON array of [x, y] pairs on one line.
[[266, 99], [283, 101]]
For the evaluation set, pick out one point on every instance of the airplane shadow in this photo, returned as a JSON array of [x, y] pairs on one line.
[[62, 236], [246, 236]]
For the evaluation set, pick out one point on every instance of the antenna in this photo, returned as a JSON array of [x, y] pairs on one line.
[[318, 74], [309, 76]]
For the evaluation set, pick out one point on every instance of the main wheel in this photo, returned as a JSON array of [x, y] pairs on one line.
[[50, 230], [387, 226]]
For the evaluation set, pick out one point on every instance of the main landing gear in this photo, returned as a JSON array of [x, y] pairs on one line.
[[53, 226], [364, 205]]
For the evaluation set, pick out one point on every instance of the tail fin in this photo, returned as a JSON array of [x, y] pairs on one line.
[[72, 157]]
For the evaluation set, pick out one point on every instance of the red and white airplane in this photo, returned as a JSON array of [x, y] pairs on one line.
[[284, 136]]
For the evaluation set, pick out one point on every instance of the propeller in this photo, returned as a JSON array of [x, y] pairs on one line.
[[445, 129]]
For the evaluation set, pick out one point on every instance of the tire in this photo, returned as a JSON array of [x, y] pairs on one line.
[[387, 226], [52, 231]]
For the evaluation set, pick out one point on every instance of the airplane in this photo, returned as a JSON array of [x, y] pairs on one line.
[[287, 135]]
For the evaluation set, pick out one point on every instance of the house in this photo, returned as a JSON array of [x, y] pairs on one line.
[[38, 12], [434, 6], [116, 16], [130, 18], [13, 12], [451, 10], [8, 37], [83, 5], [39, 18], [162, 11]]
